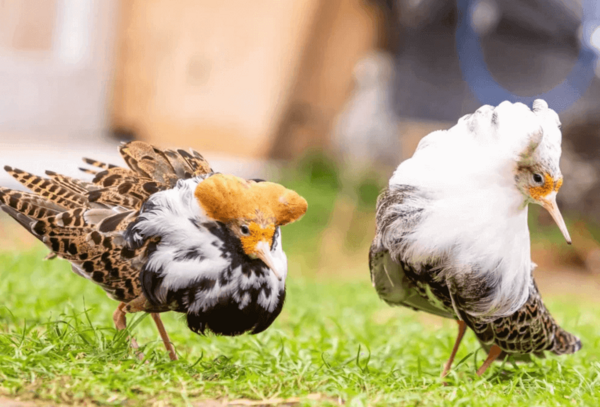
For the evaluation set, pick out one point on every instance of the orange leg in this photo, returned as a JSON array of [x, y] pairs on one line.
[[462, 328], [495, 351], [165, 337], [121, 323]]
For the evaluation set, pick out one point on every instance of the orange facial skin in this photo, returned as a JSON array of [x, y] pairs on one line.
[[558, 184], [257, 233], [540, 192]]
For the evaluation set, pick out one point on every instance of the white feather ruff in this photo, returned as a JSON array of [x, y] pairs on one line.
[[170, 219], [474, 215]]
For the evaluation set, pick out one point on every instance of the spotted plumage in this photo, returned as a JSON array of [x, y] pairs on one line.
[[202, 265], [155, 236], [452, 236]]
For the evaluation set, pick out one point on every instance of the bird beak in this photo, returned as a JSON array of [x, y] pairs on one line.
[[549, 203], [263, 252]]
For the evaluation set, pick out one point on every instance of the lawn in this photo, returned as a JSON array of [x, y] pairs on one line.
[[335, 341]]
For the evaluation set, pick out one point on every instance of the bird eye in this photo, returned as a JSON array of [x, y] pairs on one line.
[[245, 231], [538, 179]]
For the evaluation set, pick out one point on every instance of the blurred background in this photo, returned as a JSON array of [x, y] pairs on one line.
[[326, 96]]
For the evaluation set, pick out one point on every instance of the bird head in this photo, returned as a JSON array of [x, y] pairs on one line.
[[252, 211], [538, 174]]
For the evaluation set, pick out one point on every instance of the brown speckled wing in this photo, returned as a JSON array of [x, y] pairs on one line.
[[83, 222], [150, 170], [100, 255], [96, 251], [48, 189], [126, 195], [114, 176], [196, 161], [28, 204], [148, 162], [75, 185], [529, 330], [165, 167]]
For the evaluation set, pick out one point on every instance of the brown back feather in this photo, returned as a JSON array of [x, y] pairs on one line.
[[48, 189], [199, 165], [82, 222], [75, 185]]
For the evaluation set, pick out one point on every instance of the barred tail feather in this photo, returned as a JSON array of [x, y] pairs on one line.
[[26, 208], [48, 189], [565, 343]]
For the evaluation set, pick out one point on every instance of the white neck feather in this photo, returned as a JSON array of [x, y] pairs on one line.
[[474, 216]]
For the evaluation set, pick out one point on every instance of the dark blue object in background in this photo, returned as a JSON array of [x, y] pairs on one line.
[[480, 81]]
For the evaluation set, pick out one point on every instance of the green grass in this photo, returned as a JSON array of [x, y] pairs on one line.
[[334, 338]]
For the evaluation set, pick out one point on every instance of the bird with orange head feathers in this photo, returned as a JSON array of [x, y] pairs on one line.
[[167, 234]]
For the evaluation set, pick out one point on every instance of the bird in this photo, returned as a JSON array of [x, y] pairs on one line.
[[365, 134], [451, 230], [166, 234]]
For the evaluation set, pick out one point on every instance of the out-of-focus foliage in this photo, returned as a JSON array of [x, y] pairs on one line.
[[340, 222]]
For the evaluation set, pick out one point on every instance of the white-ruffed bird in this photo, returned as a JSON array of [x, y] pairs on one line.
[[452, 237], [167, 234]]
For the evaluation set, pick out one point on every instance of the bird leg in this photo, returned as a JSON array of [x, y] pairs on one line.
[[121, 323], [140, 304], [164, 335], [495, 351], [462, 327]]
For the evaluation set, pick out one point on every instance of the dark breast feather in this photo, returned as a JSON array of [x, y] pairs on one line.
[[530, 330], [225, 316]]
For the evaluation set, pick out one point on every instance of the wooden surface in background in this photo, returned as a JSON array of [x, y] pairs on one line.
[[235, 76], [27, 25], [207, 74], [345, 31]]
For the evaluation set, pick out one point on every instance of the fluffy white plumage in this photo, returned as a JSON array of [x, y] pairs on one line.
[[474, 216], [170, 218]]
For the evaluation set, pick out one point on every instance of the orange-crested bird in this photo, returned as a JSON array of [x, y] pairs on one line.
[[167, 234]]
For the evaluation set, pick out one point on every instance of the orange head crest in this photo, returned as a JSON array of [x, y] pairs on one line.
[[228, 198], [252, 210]]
